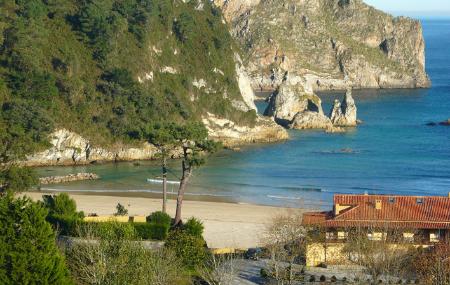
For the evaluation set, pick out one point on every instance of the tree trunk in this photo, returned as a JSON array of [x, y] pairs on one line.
[[187, 171], [164, 169]]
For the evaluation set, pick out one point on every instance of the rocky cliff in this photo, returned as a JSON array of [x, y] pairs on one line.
[[330, 43]]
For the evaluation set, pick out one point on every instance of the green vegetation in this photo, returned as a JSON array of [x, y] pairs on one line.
[[62, 213], [194, 227], [28, 252], [190, 249], [121, 210], [86, 65], [116, 259]]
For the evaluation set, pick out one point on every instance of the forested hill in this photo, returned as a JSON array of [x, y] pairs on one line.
[[108, 68]]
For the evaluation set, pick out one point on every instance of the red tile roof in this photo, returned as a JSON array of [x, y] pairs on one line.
[[411, 212]]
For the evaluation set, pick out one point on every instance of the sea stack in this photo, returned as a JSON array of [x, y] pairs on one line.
[[344, 114]]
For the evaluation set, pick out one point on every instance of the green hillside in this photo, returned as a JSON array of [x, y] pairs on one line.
[[108, 68]]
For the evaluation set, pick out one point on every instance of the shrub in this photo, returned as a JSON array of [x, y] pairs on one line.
[[62, 213], [263, 273], [159, 218], [312, 278], [194, 227], [121, 210], [323, 278], [28, 252], [151, 231], [333, 278], [189, 248]]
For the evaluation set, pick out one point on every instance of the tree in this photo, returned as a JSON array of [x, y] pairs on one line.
[[432, 265], [193, 138], [285, 239], [28, 252], [382, 256], [218, 270], [162, 136]]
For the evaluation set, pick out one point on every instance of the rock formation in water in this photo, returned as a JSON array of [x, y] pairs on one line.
[[293, 108], [344, 114], [327, 42], [289, 100], [310, 120]]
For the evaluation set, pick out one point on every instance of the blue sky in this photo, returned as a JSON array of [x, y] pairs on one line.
[[413, 7]]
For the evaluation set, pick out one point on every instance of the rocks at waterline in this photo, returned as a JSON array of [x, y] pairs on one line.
[[294, 108], [444, 123], [344, 114], [290, 100], [310, 120], [68, 178]]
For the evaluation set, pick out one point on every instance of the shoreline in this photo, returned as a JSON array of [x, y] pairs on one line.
[[227, 225]]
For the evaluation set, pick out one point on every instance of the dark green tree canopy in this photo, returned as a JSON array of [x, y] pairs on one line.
[[28, 252]]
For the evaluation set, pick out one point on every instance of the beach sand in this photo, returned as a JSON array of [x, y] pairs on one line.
[[227, 225]]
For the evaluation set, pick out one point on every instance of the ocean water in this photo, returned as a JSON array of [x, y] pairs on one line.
[[392, 152]]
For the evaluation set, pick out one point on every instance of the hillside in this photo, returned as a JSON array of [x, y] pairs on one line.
[[330, 43], [107, 69]]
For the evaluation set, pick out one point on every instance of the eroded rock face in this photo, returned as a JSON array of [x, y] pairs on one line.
[[310, 120], [247, 93], [69, 148], [344, 114], [327, 42], [289, 100], [231, 134]]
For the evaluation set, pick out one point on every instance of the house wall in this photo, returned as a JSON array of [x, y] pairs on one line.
[[329, 253], [333, 253]]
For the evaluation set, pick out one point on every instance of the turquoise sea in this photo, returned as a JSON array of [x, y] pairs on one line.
[[392, 152]]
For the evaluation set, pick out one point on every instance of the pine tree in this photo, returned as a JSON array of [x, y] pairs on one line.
[[28, 252]]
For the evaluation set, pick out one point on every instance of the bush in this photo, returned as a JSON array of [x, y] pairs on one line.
[[263, 273], [121, 210], [151, 231], [194, 227], [190, 249], [312, 278], [323, 278], [159, 218], [333, 278], [62, 213]]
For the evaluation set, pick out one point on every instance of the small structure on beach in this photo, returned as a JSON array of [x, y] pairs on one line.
[[406, 220]]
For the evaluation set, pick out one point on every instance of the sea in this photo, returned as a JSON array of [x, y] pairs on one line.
[[393, 152]]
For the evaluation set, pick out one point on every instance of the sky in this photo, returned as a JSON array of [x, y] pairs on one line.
[[414, 8]]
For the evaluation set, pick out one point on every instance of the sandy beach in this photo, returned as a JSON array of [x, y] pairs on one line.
[[226, 224]]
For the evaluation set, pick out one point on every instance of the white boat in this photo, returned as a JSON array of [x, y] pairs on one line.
[[160, 181]]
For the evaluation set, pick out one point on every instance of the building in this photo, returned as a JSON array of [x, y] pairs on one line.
[[419, 221]]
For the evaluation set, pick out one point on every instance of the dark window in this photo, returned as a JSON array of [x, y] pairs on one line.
[[419, 201], [391, 200]]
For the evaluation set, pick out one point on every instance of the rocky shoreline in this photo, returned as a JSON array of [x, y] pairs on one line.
[[68, 178]]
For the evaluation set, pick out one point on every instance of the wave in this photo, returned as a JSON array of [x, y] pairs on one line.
[[132, 191], [276, 187]]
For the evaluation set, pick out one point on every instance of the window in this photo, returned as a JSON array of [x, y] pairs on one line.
[[408, 237], [435, 236], [342, 235], [377, 236], [392, 200], [419, 201]]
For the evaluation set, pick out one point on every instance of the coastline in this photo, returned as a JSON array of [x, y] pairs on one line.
[[227, 225]]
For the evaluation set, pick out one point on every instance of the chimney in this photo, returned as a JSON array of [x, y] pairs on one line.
[[378, 204]]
